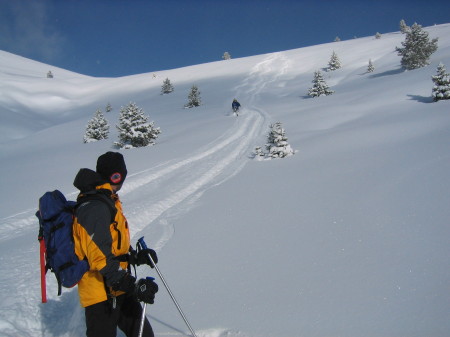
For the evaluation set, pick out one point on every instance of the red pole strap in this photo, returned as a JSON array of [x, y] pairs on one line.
[[43, 284]]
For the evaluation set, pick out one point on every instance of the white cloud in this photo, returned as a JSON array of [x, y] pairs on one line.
[[26, 30]]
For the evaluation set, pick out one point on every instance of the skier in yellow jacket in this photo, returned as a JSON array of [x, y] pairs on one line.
[[108, 291]]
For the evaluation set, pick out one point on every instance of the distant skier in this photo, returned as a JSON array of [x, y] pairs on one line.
[[235, 106]]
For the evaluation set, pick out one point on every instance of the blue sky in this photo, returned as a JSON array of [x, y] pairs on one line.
[[111, 38]]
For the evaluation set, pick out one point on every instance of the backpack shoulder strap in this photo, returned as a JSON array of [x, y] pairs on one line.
[[98, 195]]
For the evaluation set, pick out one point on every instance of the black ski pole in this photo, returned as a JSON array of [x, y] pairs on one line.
[[143, 245]]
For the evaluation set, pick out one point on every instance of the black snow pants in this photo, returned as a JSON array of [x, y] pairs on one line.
[[102, 319]]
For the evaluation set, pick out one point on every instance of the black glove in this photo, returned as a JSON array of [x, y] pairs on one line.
[[127, 284], [145, 290], [141, 257]]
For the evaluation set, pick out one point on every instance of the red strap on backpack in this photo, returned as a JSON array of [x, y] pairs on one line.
[[42, 258]]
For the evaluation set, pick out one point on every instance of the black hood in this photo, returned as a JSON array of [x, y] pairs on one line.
[[87, 179]]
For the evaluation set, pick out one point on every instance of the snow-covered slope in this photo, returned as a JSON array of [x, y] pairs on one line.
[[348, 237]]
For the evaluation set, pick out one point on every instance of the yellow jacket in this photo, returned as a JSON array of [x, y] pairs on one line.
[[100, 241]]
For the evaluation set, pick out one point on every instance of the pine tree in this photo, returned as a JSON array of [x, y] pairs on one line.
[[167, 87], [370, 67], [320, 87], [108, 107], [226, 56], [334, 62], [417, 48], [258, 152], [404, 28], [194, 99], [441, 88], [97, 128], [134, 129], [277, 145]]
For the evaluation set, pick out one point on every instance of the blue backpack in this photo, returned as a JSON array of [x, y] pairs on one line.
[[57, 248], [56, 216]]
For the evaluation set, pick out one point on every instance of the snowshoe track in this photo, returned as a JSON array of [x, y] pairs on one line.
[[185, 180]]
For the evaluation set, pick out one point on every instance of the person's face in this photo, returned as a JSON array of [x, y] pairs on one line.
[[116, 188]]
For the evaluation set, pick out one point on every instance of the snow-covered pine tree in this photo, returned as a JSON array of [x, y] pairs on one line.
[[441, 88], [134, 128], [194, 99], [370, 67], [226, 56], [258, 152], [404, 28], [167, 87], [97, 128], [320, 87], [108, 107], [334, 62], [277, 145], [417, 48]]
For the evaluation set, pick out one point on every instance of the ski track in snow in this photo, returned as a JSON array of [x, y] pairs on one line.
[[185, 178], [188, 178]]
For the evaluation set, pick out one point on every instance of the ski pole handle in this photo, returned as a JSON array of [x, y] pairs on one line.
[[142, 243]]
